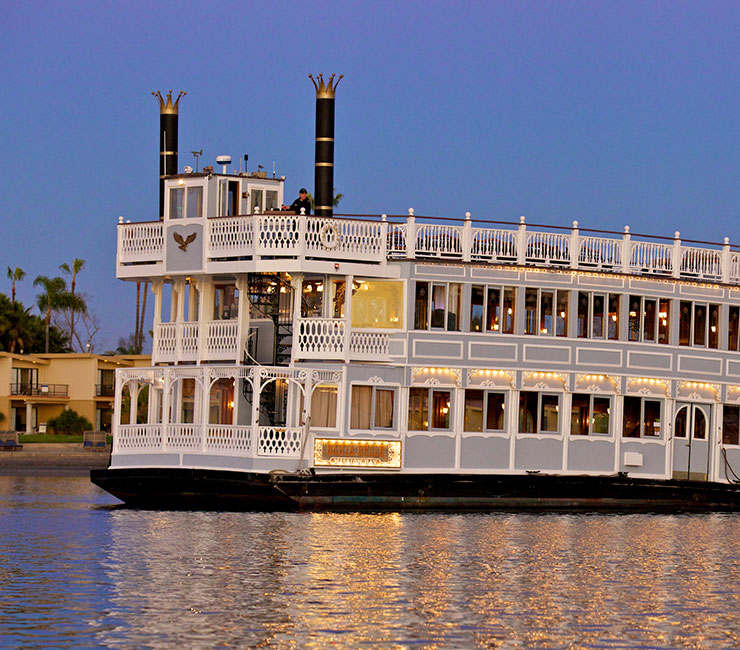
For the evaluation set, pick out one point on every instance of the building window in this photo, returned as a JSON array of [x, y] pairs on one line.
[[538, 412], [698, 324], [642, 417], [730, 425], [546, 312], [429, 409], [438, 305], [649, 319], [589, 415], [485, 410], [372, 407]]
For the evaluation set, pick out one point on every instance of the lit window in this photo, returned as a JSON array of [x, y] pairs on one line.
[[642, 417], [589, 415], [485, 410], [538, 412], [372, 407], [429, 409]]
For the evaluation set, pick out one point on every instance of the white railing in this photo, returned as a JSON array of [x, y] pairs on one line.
[[438, 240], [165, 342], [651, 257], [367, 345], [547, 247], [279, 441], [600, 253], [278, 234], [321, 338], [230, 236], [494, 244], [183, 437], [701, 263], [221, 340], [138, 437], [188, 340], [344, 239], [363, 240], [237, 440], [140, 242]]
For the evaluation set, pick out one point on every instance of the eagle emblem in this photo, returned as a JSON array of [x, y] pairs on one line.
[[183, 242]]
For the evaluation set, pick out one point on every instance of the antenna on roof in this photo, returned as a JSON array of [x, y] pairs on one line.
[[196, 154]]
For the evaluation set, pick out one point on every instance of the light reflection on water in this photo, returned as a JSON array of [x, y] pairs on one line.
[[77, 573]]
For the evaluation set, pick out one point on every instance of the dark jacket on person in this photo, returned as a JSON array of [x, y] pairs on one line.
[[301, 203]]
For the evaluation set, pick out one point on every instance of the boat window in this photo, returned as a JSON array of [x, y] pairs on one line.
[[484, 410], [589, 415], [225, 302], [444, 308], [324, 407], [271, 200], [583, 303], [545, 312], [538, 412], [313, 293], [477, 295], [730, 425], [195, 202], [372, 407], [377, 304], [699, 324], [614, 316], [429, 408], [734, 328], [664, 319], [187, 410], [642, 417], [421, 306], [221, 403], [649, 319], [177, 199], [492, 308]]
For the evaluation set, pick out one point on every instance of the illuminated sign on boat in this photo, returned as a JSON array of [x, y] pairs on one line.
[[357, 453]]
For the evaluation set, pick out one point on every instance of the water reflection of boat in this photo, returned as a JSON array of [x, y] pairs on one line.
[[322, 361]]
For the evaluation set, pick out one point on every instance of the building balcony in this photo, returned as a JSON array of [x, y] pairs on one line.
[[40, 390], [105, 390]]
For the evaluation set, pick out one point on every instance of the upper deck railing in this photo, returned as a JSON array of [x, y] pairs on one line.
[[368, 239]]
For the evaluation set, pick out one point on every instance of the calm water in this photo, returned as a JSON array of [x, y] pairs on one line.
[[77, 572]]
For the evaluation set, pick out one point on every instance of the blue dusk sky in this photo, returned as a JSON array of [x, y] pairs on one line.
[[611, 113]]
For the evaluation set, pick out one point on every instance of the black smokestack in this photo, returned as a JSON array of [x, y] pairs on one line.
[[167, 140], [324, 167]]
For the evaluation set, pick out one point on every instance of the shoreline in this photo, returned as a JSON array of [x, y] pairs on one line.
[[36, 459]]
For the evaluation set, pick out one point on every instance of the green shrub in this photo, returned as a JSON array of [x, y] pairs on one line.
[[69, 422]]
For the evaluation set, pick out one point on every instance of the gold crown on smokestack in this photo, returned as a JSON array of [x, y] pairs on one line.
[[168, 106], [325, 90]]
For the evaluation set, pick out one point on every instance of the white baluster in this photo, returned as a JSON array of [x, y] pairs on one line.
[[521, 244]]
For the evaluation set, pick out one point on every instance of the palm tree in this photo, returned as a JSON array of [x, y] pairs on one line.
[[15, 327], [55, 297], [15, 275], [77, 266]]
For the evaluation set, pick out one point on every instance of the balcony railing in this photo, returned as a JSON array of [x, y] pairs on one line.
[[360, 239], [40, 390], [105, 390]]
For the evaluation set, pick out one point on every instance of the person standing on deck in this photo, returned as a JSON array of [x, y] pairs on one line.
[[301, 202]]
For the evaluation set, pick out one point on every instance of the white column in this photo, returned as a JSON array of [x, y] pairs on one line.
[[242, 327], [575, 246], [29, 414], [166, 400], [411, 235], [521, 242], [347, 315], [676, 256], [116, 423], [467, 238], [626, 251], [296, 282], [205, 404]]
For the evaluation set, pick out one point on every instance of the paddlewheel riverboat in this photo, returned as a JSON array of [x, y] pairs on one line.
[[352, 361]]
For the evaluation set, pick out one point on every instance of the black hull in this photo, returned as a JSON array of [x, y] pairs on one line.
[[223, 490]]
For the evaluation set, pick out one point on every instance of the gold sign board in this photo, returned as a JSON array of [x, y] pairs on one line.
[[357, 453]]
